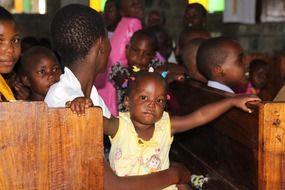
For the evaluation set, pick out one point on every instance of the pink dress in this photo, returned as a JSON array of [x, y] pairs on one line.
[[119, 40]]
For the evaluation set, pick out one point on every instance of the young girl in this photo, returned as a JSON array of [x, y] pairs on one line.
[[9, 51], [39, 69], [79, 36], [141, 138], [132, 11], [140, 52]]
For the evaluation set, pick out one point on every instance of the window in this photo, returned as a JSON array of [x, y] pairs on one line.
[[98, 5], [211, 5], [25, 6]]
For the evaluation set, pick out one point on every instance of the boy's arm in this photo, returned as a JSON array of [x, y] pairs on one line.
[[176, 174], [209, 112]]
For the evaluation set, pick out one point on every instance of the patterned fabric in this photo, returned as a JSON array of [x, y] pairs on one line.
[[130, 155]]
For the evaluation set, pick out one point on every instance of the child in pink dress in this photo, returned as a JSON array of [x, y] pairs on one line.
[[132, 11]]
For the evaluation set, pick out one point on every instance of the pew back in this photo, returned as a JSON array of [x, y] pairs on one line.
[[44, 148], [237, 150]]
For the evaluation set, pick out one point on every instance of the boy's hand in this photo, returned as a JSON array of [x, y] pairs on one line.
[[182, 173], [78, 105], [241, 100], [22, 92]]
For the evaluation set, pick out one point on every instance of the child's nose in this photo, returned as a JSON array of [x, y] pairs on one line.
[[151, 103], [9, 47]]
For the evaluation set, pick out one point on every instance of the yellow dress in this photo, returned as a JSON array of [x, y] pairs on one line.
[[130, 155], [5, 90]]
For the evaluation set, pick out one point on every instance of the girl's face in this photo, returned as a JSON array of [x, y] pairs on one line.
[[10, 48], [43, 73], [132, 8], [140, 52], [146, 102]]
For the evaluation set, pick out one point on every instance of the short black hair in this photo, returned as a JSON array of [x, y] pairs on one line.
[[139, 77], [32, 55], [211, 53], [200, 9], [74, 29], [6, 15], [148, 34], [257, 64]]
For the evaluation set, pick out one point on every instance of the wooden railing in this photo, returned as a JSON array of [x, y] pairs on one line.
[[50, 149], [237, 150]]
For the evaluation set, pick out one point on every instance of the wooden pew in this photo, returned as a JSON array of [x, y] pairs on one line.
[[237, 150], [50, 149]]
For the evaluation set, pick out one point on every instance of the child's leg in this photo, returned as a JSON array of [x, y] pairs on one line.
[[183, 187]]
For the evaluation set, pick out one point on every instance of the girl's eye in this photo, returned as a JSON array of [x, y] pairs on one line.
[[16, 40], [41, 72], [160, 101], [55, 69], [143, 98]]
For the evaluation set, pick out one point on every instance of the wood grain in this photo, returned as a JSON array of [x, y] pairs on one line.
[[53, 149]]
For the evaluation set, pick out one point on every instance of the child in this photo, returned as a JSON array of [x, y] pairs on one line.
[[154, 18], [220, 60], [10, 50], [132, 12], [141, 138], [111, 16], [186, 36], [189, 55], [195, 15], [79, 36], [164, 42], [39, 69], [258, 76], [140, 52]]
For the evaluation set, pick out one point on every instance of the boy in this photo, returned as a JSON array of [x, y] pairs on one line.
[[79, 35], [220, 60], [39, 69], [189, 55], [195, 15]]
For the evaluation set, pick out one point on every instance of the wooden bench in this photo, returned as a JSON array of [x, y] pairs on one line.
[[50, 149], [237, 150]]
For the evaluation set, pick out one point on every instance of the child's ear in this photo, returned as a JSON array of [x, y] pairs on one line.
[[218, 70], [126, 102], [25, 80]]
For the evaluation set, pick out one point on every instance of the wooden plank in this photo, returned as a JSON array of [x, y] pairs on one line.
[[45, 148], [272, 147]]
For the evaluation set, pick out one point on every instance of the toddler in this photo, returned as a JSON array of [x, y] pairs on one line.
[[220, 60], [141, 138], [258, 76], [39, 69]]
